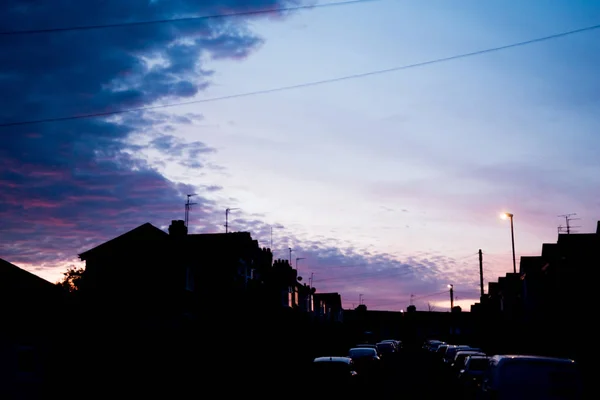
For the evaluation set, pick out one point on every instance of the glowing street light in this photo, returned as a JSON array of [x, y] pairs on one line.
[[512, 236]]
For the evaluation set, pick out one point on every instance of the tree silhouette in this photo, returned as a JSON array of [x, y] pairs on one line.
[[430, 307], [71, 281]]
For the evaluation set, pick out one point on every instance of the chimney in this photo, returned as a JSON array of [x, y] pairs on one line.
[[178, 228], [598, 228]]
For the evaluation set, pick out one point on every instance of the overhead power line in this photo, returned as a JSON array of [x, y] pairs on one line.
[[302, 85], [175, 20]]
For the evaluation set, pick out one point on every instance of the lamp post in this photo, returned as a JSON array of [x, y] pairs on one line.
[[512, 237], [451, 287]]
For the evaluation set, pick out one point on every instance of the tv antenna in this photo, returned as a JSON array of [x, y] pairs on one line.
[[227, 211], [188, 205], [568, 229]]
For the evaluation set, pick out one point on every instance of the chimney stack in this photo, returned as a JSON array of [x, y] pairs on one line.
[[178, 228]]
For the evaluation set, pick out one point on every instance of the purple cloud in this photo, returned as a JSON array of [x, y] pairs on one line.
[[66, 185]]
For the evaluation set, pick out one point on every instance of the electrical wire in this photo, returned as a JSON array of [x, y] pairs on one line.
[[175, 20], [301, 85]]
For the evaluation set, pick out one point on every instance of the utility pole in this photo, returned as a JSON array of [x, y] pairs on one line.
[[188, 205], [271, 237], [481, 272], [512, 237], [568, 228], [451, 297], [310, 280], [227, 211]]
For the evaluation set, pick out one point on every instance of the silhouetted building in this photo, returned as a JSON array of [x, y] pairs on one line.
[[133, 274], [543, 308], [328, 306], [559, 287], [149, 272], [305, 298], [32, 320]]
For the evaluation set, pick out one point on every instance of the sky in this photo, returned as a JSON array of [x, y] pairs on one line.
[[386, 185]]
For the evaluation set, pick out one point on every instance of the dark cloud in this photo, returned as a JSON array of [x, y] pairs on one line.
[[67, 185]]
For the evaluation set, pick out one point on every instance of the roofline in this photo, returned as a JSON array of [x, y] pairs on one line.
[[31, 274], [82, 255]]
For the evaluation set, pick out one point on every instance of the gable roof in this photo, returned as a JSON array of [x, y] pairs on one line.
[[14, 278], [146, 233]]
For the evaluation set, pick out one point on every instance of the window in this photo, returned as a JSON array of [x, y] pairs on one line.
[[189, 279]]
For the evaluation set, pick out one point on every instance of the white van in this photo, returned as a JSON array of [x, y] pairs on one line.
[[518, 377]]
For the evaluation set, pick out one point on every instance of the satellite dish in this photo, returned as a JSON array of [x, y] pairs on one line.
[[299, 279]]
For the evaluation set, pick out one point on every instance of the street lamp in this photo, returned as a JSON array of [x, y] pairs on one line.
[[512, 236], [451, 287]]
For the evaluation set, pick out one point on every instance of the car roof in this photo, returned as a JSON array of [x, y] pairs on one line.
[[334, 359], [502, 358], [363, 349]]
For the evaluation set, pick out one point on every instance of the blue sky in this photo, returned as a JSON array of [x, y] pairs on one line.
[[400, 176]]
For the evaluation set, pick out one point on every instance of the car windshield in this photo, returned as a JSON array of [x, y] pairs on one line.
[[364, 352], [460, 358]]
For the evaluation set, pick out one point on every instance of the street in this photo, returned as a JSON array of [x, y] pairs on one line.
[[414, 374]]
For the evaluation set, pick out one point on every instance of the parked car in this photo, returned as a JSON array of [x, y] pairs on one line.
[[453, 349], [471, 375], [386, 349], [521, 377], [461, 357], [366, 360], [334, 375]]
